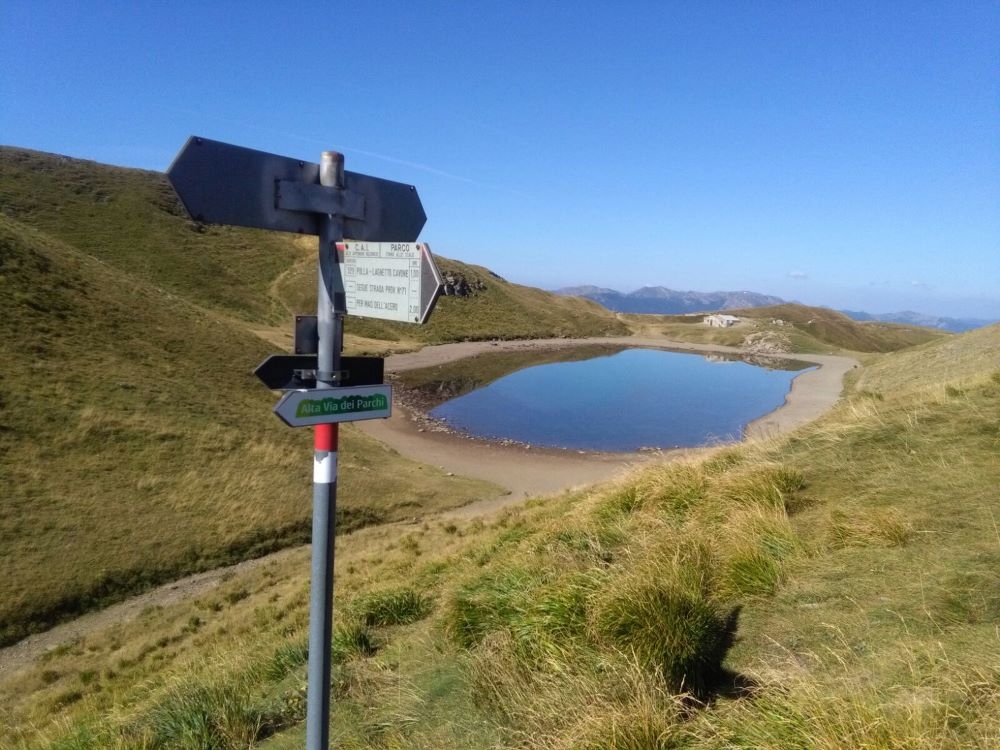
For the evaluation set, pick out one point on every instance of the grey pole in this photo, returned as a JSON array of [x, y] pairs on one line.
[[330, 310]]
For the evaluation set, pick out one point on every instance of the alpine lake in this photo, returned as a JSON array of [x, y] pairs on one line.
[[602, 398]]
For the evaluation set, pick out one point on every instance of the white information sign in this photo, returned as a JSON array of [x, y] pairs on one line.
[[390, 280]]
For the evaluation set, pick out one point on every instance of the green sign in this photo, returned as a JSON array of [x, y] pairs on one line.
[[311, 407]]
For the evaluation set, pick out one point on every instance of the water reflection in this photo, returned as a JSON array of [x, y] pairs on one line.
[[625, 401]]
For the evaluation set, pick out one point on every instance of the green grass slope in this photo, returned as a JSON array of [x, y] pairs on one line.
[[836, 588], [131, 220], [789, 327], [838, 330], [951, 361], [833, 588], [136, 445]]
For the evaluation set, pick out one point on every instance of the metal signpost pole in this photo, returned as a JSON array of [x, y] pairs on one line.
[[219, 183], [330, 311]]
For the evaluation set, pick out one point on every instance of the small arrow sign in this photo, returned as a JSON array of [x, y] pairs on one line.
[[390, 280], [329, 405], [219, 183], [283, 372]]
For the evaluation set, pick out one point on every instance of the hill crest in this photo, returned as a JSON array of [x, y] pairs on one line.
[[660, 300]]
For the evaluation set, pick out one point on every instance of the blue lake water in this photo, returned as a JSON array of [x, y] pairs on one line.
[[637, 398]]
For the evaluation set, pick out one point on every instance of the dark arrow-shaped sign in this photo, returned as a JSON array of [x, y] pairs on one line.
[[286, 372], [219, 183]]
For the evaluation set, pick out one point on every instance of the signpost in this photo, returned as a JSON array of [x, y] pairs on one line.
[[219, 183]]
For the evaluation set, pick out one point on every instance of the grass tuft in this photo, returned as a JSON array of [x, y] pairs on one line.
[[671, 488], [674, 487], [665, 613], [614, 703], [724, 459], [868, 528], [486, 604], [287, 658], [351, 639], [621, 503], [762, 485], [758, 543], [595, 547], [954, 708], [540, 616], [396, 606]]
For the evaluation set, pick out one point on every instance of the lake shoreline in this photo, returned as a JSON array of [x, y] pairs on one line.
[[599, 399], [529, 470]]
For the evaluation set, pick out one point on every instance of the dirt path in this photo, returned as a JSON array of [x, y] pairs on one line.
[[24, 652], [524, 472]]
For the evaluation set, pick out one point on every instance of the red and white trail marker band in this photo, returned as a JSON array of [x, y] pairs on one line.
[[325, 456]]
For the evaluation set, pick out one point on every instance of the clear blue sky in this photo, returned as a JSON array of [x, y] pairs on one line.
[[838, 153]]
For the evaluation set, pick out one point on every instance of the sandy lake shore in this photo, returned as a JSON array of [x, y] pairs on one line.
[[533, 471]]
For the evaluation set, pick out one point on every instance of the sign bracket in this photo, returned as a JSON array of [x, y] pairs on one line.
[[292, 195]]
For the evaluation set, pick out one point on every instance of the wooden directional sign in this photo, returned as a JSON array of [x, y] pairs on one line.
[[283, 372], [329, 405], [219, 183], [390, 280]]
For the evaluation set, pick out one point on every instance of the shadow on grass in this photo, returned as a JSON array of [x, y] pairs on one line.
[[716, 681]]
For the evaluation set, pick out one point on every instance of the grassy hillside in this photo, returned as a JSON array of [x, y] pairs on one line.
[[835, 588], [836, 329], [136, 446], [132, 220], [952, 361], [789, 327]]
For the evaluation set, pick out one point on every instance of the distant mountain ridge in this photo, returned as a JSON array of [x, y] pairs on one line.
[[659, 300], [955, 325]]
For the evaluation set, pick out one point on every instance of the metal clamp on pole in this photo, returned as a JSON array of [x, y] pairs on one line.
[[336, 376]]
